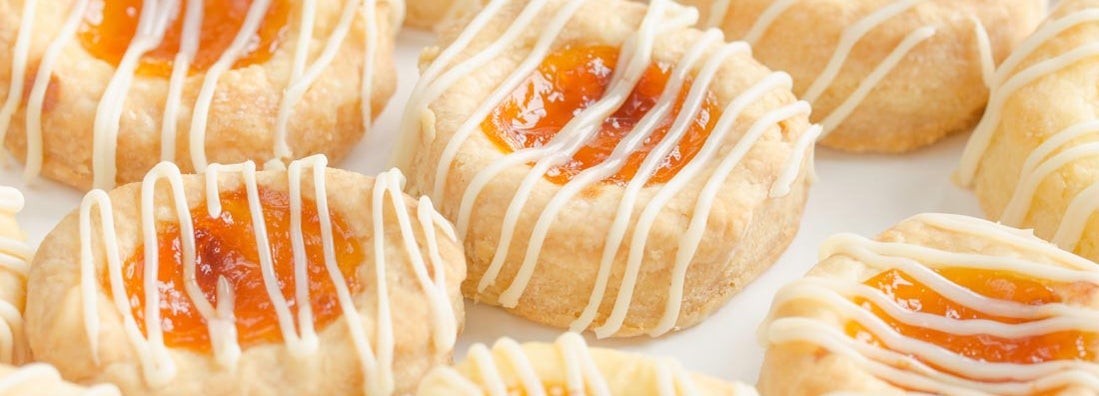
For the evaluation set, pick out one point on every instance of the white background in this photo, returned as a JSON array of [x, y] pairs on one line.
[[864, 194]]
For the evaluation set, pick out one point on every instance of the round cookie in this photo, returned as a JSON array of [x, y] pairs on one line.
[[939, 304], [882, 75], [195, 284], [97, 92], [1032, 161], [642, 197]]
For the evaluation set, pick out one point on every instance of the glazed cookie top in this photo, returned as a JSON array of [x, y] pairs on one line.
[[222, 262], [569, 367], [944, 304], [14, 265], [184, 43], [603, 95]]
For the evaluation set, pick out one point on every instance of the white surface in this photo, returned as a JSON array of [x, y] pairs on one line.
[[860, 194]]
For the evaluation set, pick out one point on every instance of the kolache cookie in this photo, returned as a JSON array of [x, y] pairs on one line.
[[939, 304], [882, 75], [194, 284], [14, 265], [42, 379], [608, 166], [1034, 158], [97, 92], [568, 367]]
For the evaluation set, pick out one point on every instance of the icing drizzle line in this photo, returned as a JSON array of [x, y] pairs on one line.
[[299, 337], [661, 16], [14, 256], [582, 375], [981, 377], [153, 21], [1058, 150], [850, 37]]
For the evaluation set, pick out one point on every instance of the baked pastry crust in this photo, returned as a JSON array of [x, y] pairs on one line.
[[1032, 160], [750, 222], [14, 256], [43, 379], [375, 345], [242, 121], [595, 371], [435, 14], [936, 87], [809, 351]]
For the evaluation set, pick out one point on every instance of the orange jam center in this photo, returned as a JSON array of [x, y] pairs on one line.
[[110, 25], [574, 78], [225, 247], [1001, 285]]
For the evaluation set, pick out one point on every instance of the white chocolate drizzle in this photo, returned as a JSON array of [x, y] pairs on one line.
[[14, 258], [299, 334], [925, 367], [582, 375], [704, 59], [155, 18], [41, 376], [1058, 150], [850, 37]]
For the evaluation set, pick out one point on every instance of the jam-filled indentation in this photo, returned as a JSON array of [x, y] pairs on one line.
[[573, 78], [110, 25], [226, 247], [914, 296]]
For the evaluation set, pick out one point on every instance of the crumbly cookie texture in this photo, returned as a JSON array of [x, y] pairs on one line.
[[906, 73]]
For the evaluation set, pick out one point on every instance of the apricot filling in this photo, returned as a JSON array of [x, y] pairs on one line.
[[110, 25], [915, 296], [573, 78], [225, 247]]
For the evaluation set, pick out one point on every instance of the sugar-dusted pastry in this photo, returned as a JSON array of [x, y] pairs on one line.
[[38, 379], [188, 285], [94, 92], [14, 254], [431, 14], [882, 75], [568, 367], [607, 166], [1034, 159], [939, 304]]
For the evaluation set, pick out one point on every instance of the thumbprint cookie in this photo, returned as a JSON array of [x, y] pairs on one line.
[[568, 367], [14, 265], [97, 92], [1034, 159], [607, 165], [306, 280], [939, 304], [882, 75], [39, 379]]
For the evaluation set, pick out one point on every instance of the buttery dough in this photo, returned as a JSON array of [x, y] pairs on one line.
[[1033, 160], [936, 86]]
